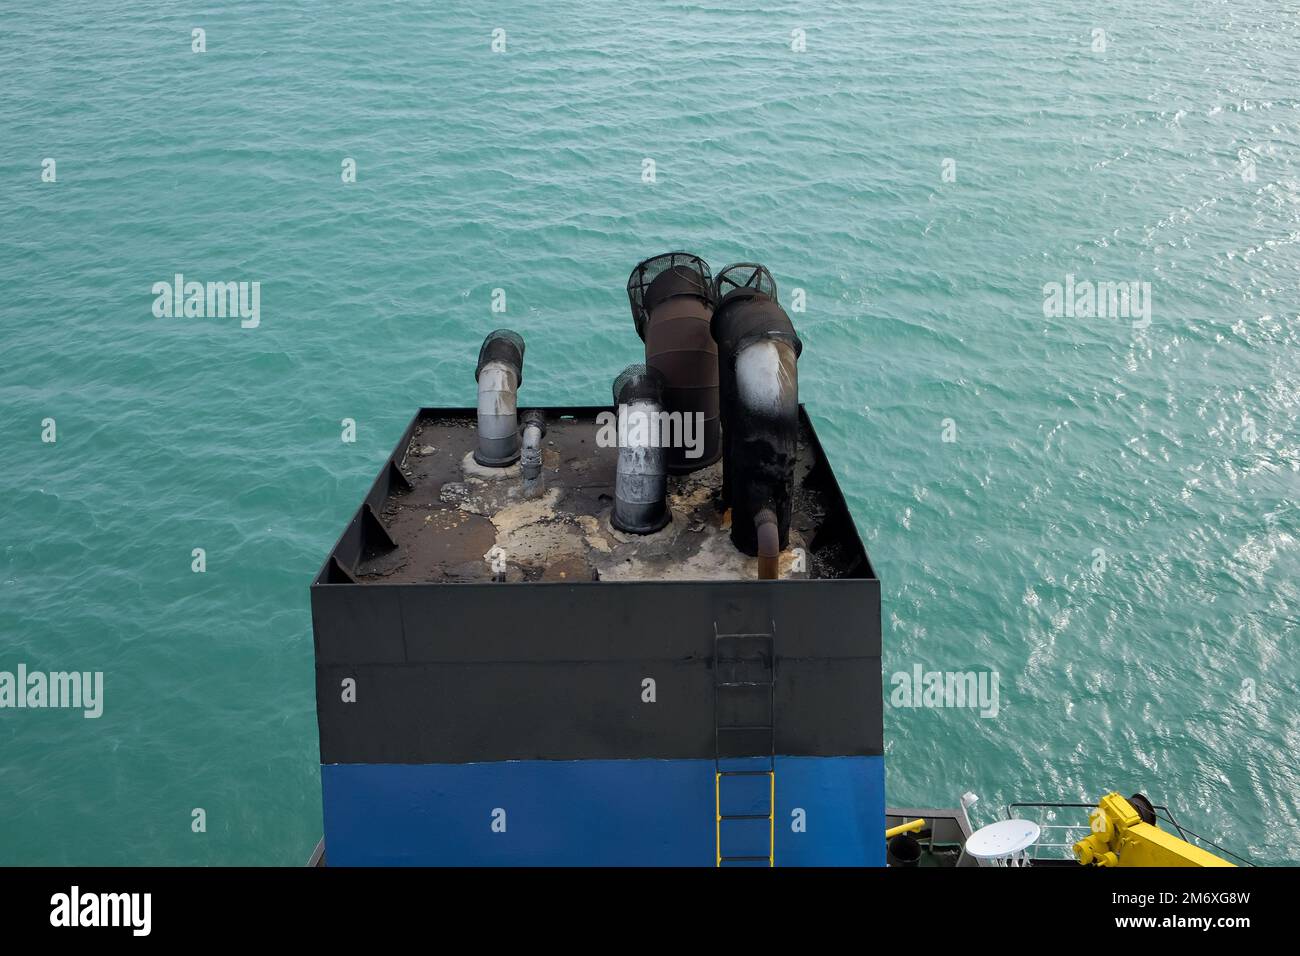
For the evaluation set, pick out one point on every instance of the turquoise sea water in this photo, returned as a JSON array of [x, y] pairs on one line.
[[1172, 157]]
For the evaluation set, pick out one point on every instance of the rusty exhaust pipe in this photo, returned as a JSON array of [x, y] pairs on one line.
[[672, 305], [769, 545]]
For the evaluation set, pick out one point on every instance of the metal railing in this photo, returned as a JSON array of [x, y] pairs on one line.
[[1067, 833]]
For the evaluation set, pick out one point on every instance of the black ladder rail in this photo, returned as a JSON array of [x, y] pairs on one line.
[[765, 657]]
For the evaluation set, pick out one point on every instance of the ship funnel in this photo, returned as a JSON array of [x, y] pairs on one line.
[[672, 304], [500, 372], [641, 481], [758, 355]]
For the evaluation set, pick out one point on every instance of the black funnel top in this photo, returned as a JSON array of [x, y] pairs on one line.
[[742, 280], [638, 383], [747, 315], [503, 345], [688, 275]]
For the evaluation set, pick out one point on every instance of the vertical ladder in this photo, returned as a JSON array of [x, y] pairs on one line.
[[744, 747]]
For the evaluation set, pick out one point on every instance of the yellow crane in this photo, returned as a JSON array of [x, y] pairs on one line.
[[1122, 837]]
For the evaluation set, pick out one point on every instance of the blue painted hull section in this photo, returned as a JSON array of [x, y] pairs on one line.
[[830, 811]]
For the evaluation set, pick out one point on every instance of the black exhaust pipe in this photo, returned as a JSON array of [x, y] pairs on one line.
[[758, 354], [672, 304], [735, 285]]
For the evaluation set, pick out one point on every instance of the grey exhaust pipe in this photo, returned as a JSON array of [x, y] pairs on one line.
[[500, 372], [641, 481]]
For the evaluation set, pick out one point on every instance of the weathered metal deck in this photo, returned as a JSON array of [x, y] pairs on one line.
[[460, 522]]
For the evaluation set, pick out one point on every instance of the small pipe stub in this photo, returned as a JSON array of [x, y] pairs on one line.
[[500, 372], [769, 545], [533, 428]]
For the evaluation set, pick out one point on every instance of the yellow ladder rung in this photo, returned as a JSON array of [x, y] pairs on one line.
[[771, 818]]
